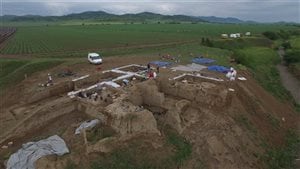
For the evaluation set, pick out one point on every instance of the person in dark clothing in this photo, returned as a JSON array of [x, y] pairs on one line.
[[157, 69], [148, 67]]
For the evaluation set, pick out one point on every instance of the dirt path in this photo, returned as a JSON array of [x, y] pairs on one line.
[[291, 84], [288, 80]]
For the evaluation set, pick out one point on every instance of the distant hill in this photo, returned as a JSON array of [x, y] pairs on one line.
[[100, 16], [103, 16], [215, 19]]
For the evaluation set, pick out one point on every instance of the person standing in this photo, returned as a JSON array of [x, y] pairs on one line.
[[148, 67], [151, 75], [50, 80]]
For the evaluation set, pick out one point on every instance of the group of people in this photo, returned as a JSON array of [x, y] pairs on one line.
[[231, 74], [151, 73], [49, 81], [93, 96], [169, 57]]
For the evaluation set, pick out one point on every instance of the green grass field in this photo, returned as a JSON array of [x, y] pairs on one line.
[[60, 40], [262, 62], [13, 71]]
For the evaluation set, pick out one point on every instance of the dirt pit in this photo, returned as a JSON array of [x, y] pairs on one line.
[[130, 81], [101, 96], [95, 78], [56, 126], [133, 68]]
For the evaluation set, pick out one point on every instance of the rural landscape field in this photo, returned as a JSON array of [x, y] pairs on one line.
[[190, 115]]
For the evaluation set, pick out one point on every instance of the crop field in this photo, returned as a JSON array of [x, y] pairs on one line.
[[37, 40], [5, 33]]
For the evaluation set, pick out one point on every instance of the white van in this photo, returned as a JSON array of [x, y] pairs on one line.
[[94, 58]]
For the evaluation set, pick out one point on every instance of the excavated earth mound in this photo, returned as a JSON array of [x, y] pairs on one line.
[[225, 122]]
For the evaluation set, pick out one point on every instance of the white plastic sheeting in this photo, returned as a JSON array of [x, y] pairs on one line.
[[190, 67], [197, 76], [87, 124], [109, 83], [80, 78], [125, 75], [242, 78], [25, 157]]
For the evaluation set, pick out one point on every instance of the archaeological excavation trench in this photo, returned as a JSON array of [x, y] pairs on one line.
[[124, 110]]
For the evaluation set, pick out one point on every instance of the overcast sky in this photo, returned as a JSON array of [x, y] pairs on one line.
[[257, 10]]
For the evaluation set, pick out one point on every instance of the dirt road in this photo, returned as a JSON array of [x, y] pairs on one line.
[[288, 80]]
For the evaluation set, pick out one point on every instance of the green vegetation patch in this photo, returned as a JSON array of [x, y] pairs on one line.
[[283, 157], [241, 43], [88, 38], [244, 121], [70, 165], [186, 52], [15, 71], [9, 66], [274, 122], [99, 133], [141, 155], [295, 42], [262, 62], [183, 148], [292, 56]]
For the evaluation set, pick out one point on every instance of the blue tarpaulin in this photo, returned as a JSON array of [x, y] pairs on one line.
[[202, 60], [218, 68], [160, 63]]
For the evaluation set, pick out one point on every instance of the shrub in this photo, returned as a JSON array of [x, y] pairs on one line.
[[292, 56], [286, 45], [271, 35], [283, 157]]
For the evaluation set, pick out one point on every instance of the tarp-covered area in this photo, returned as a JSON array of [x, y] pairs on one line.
[[25, 157], [218, 68], [87, 125], [190, 67], [202, 60], [160, 63]]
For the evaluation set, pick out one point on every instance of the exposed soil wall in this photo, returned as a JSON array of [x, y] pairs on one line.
[[128, 119], [56, 90], [39, 117], [202, 93]]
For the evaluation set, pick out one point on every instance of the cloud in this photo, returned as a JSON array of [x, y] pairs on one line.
[[57, 8], [258, 10]]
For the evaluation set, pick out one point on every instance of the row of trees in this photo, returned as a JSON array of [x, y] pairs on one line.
[[281, 34], [292, 56], [207, 42]]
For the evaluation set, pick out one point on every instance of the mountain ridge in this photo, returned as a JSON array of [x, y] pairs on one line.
[[128, 17]]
